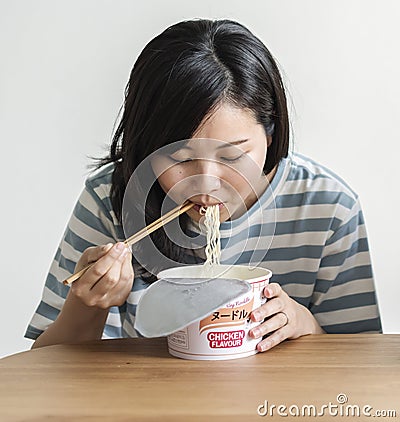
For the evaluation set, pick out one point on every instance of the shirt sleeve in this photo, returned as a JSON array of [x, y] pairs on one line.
[[92, 223], [344, 298]]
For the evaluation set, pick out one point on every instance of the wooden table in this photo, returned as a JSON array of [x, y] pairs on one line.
[[136, 379]]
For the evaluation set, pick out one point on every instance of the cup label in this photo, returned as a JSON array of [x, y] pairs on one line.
[[224, 339], [228, 316]]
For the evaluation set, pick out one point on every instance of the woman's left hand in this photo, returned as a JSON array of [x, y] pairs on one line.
[[284, 319]]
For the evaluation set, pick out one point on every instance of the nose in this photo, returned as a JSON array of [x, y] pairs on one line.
[[207, 178]]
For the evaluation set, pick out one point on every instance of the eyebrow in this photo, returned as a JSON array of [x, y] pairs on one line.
[[225, 145], [234, 143]]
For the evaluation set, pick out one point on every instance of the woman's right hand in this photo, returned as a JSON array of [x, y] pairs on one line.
[[107, 283], [109, 280]]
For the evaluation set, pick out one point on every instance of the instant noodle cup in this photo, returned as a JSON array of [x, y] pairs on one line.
[[224, 334]]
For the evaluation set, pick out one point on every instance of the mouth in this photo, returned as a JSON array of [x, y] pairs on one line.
[[202, 207]]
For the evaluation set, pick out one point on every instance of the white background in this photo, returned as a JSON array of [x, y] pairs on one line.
[[64, 66]]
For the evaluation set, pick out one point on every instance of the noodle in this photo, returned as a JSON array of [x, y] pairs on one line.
[[213, 247]]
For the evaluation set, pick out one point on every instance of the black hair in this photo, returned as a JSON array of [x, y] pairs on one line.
[[179, 78]]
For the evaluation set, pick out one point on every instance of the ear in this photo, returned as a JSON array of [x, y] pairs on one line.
[[269, 140]]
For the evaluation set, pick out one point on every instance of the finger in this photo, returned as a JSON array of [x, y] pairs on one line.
[[275, 338], [121, 291], [96, 252], [127, 273], [272, 324], [103, 264], [272, 290], [111, 278], [98, 269], [271, 307]]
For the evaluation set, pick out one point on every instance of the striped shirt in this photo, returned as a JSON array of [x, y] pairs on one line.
[[307, 228]]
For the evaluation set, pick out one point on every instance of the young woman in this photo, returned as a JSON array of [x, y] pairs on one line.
[[205, 107]]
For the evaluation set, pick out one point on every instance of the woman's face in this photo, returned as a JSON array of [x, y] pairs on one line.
[[222, 164]]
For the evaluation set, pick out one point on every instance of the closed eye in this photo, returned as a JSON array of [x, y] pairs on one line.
[[226, 159], [233, 159], [175, 160]]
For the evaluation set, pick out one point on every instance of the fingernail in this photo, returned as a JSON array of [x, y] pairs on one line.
[[256, 333], [256, 316], [120, 246]]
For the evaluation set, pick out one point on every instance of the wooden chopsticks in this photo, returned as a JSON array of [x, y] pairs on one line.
[[155, 225]]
